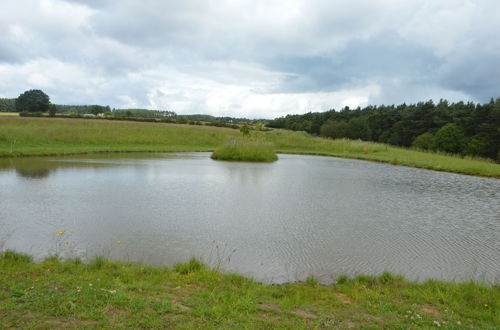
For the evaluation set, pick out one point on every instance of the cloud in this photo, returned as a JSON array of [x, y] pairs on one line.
[[250, 58]]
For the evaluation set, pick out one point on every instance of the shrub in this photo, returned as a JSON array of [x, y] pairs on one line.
[[476, 147], [450, 138], [424, 141], [334, 129]]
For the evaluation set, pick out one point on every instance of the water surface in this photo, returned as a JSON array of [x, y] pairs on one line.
[[300, 216]]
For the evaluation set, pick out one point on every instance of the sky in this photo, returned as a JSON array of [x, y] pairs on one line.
[[254, 59]]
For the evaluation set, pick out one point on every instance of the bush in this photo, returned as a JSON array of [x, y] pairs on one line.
[[424, 141], [334, 129], [476, 147], [450, 138]]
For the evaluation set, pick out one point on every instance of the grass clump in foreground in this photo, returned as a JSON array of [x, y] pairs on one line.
[[102, 293], [245, 149]]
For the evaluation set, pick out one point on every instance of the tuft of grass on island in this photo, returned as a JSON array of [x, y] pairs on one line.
[[245, 150], [102, 293], [22, 136]]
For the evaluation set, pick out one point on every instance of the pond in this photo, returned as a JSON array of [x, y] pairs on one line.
[[279, 222]]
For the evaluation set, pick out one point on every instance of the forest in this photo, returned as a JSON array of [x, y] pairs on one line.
[[460, 128]]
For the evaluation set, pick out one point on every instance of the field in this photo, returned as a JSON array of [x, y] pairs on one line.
[[101, 293], [42, 136], [15, 114]]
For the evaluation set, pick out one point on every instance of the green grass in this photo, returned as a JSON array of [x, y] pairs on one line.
[[9, 113], [102, 293], [55, 136], [245, 149]]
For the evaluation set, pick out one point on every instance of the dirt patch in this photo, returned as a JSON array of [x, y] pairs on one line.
[[350, 325], [273, 307], [304, 313], [269, 316], [115, 311], [65, 324], [428, 309], [181, 306], [343, 298], [367, 316]]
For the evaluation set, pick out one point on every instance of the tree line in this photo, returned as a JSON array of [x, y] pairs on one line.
[[7, 105], [461, 128], [35, 103]]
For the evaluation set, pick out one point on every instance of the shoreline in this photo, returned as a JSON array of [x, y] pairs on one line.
[[27, 137], [304, 153], [102, 293]]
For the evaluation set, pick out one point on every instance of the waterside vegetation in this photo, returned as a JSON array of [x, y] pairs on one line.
[[102, 293], [21, 136], [245, 150]]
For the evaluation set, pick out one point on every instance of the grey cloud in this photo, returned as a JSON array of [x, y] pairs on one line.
[[476, 75], [140, 50], [383, 56]]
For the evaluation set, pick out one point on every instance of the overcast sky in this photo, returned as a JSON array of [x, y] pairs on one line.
[[257, 59]]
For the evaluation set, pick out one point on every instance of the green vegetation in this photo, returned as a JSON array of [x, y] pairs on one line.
[[7, 105], [101, 293], [45, 136], [33, 100], [462, 128], [246, 149]]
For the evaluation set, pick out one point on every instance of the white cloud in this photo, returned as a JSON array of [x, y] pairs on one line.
[[250, 58]]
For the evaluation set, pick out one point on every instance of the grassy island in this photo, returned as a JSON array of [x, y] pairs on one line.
[[101, 293], [246, 150], [58, 136]]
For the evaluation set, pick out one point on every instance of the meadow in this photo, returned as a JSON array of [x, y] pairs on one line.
[[57, 136], [102, 293]]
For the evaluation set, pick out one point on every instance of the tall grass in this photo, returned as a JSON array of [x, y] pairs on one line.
[[44, 136], [245, 149]]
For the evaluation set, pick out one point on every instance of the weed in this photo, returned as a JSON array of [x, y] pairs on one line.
[[193, 265], [311, 281], [16, 257], [97, 262]]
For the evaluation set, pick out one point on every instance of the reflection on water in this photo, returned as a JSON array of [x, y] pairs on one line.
[[276, 222]]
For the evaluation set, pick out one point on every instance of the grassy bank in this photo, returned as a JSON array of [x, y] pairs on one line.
[[43, 136], [113, 294], [245, 149]]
